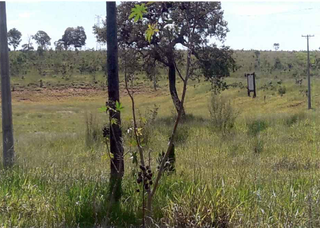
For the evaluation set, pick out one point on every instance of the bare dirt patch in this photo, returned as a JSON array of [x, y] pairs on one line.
[[30, 94]]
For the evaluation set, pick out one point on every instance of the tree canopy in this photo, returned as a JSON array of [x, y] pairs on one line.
[[42, 39], [72, 37], [28, 46], [14, 38], [174, 21]]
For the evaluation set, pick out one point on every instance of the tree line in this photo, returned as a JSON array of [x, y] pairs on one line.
[[75, 37]]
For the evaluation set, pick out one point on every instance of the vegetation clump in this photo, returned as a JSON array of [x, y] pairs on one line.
[[256, 126], [222, 114]]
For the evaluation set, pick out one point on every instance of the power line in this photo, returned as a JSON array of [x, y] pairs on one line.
[[308, 66]]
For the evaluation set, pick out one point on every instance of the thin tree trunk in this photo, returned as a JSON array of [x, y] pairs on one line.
[[173, 90], [8, 149], [117, 165]]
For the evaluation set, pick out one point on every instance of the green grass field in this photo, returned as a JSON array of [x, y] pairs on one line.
[[264, 172]]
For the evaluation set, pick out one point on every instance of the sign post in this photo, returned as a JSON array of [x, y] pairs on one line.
[[251, 82]]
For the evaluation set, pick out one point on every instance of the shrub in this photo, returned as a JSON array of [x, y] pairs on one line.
[[256, 126], [146, 122], [282, 90], [182, 134], [222, 114]]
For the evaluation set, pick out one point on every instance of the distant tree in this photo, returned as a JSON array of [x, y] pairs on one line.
[[214, 64], [73, 37], [28, 46], [167, 17], [42, 39], [276, 46], [14, 38], [59, 46]]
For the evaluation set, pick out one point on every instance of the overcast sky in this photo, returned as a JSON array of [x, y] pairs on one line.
[[252, 25]]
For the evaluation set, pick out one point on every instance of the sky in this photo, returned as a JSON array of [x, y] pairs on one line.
[[252, 24]]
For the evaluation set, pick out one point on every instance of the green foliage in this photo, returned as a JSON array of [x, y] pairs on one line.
[[222, 59], [144, 129], [294, 118], [258, 145], [169, 165], [192, 210], [137, 12], [59, 181], [19, 64], [152, 29], [182, 134], [42, 39], [282, 90], [277, 64], [14, 38], [93, 131], [222, 114], [256, 126], [72, 37], [119, 106]]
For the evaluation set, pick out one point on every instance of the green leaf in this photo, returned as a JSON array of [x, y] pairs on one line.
[[104, 157], [137, 12], [139, 131], [134, 157], [119, 106], [152, 29], [107, 156], [103, 109], [114, 121], [133, 143], [144, 120]]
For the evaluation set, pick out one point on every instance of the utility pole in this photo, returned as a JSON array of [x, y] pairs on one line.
[[7, 131], [308, 64]]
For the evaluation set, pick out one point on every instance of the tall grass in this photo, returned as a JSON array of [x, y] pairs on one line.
[[222, 114], [264, 174]]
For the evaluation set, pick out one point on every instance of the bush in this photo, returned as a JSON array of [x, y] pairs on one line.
[[222, 114], [282, 90], [256, 126], [146, 123], [182, 134]]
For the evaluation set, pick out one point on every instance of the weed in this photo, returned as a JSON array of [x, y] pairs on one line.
[[93, 133], [294, 118], [282, 90], [222, 114], [256, 126], [258, 145]]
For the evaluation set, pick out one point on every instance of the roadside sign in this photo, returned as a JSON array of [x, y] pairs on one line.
[[251, 84]]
